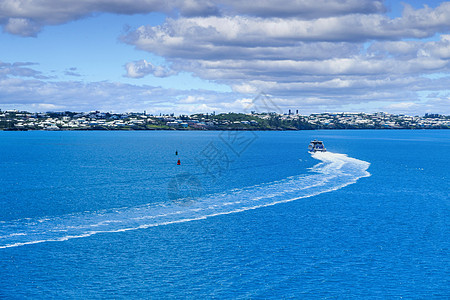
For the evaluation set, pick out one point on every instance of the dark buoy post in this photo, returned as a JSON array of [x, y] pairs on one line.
[[178, 162]]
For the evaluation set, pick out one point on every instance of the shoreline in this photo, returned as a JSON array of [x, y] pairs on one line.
[[220, 129]]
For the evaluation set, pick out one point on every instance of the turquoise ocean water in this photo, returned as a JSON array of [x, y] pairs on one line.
[[245, 214]]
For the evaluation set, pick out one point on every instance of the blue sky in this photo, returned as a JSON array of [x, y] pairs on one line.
[[205, 55]]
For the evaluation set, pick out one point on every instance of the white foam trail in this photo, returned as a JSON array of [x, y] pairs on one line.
[[332, 173]]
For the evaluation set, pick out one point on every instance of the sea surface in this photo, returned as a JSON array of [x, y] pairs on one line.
[[245, 215]]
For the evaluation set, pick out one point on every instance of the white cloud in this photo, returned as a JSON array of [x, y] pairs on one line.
[[213, 34], [21, 26], [413, 49], [192, 99], [402, 106], [46, 107], [244, 49], [26, 17], [315, 58], [19, 69], [386, 65], [141, 68], [309, 53], [106, 96], [33, 94], [303, 8]]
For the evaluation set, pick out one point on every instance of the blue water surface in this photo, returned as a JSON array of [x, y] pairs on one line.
[[245, 215]]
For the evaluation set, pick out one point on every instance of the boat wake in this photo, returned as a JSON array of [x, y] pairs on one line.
[[334, 171]]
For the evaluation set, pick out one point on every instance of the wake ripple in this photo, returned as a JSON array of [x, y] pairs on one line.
[[334, 172]]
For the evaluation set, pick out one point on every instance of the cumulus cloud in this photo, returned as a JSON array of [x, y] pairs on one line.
[[299, 69], [106, 96], [27, 17], [242, 48], [412, 49], [303, 8], [420, 107], [21, 26], [210, 34], [141, 68], [19, 69], [313, 57], [312, 53]]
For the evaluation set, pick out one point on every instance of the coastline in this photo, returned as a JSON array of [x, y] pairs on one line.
[[224, 129], [14, 120]]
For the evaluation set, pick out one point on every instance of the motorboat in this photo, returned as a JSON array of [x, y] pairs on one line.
[[316, 146]]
